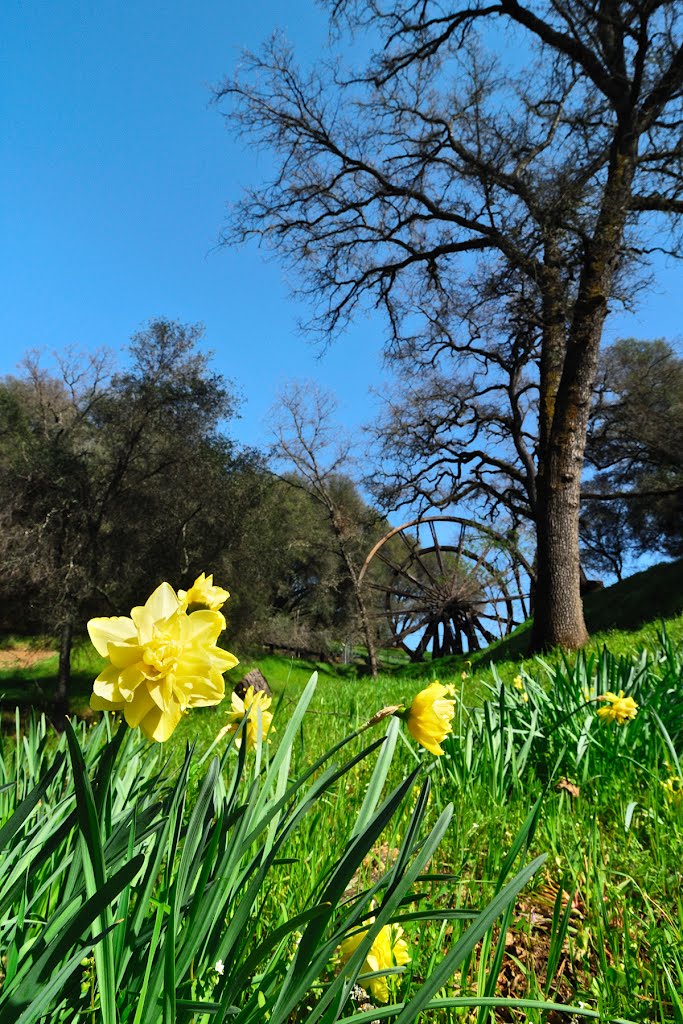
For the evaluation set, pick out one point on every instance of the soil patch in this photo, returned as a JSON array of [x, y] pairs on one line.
[[23, 657]]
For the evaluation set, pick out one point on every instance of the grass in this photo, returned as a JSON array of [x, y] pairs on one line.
[[34, 685], [601, 924]]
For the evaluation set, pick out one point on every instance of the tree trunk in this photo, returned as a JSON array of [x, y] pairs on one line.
[[367, 629], [358, 594], [558, 610], [567, 373], [556, 599], [64, 674]]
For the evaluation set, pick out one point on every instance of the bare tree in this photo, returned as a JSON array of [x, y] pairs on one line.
[[471, 438], [460, 433], [450, 174], [309, 440]]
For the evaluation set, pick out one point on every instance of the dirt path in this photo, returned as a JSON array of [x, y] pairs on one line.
[[22, 657]]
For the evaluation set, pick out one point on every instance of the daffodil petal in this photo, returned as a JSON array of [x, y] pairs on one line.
[[138, 707], [124, 655], [107, 689], [159, 693], [109, 676], [159, 725], [144, 623], [238, 704], [163, 602], [130, 680], [371, 961], [114, 629], [223, 660], [203, 692], [98, 703], [379, 989], [205, 626]]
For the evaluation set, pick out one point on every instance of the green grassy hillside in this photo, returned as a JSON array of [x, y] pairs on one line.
[[656, 593], [599, 925], [625, 616]]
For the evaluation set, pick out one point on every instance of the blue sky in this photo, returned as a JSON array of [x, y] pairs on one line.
[[115, 172]]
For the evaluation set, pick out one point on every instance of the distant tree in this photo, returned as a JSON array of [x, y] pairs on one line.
[[636, 424], [606, 541], [110, 479], [310, 442], [471, 439], [445, 179], [635, 447], [277, 558], [166, 455], [243, 533], [48, 496]]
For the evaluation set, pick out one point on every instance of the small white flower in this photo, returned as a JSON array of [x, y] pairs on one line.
[[220, 967]]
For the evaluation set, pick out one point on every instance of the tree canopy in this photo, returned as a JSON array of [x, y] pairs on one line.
[[635, 450], [91, 464]]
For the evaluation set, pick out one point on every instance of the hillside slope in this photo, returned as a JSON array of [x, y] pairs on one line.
[[655, 593]]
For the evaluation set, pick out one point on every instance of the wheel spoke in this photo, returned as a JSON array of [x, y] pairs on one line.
[[489, 637], [420, 557], [411, 543], [481, 560], [437, 549], [451, 597], [409, 630], [489, 615], [425, 640], [400, 570]]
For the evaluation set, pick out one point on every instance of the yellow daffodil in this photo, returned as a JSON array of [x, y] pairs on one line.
[[518, 683], [524, 697], [388, 949], [673, 790], [429, 717], [618, 708], [204, 592], [162, 662], [255, 705]]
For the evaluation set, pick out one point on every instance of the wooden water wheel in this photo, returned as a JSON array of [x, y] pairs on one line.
[[450, 595]]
